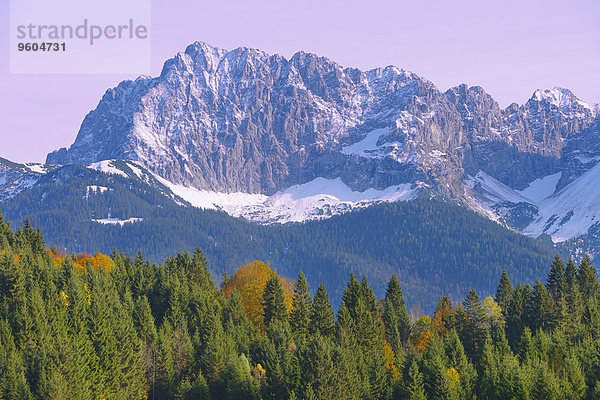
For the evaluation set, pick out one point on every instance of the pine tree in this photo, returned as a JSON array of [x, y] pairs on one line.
[[573, 382], [352, 294], [518, 314], [322, 316], [545, 384], [301, 307], [504, 292], [573, 296], [570, 274], [274, 302]]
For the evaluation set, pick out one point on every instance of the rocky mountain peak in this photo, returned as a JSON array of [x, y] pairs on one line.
[[246, 121]]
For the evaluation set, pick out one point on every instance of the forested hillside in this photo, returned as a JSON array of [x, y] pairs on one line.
[[89, 327], [432, 246]]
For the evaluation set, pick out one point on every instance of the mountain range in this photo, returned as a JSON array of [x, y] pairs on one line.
[[276, 140]]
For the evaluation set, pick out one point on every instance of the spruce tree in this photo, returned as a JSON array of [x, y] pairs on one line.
[[474, 331], [435, 370], [301, 307], [570, 274], [526, 346], [488, 371], [588, 280], [556, 279], [322, 316], [274, 302], [457, 359], [504, 292], [545, 385], [395, 315], [415, 389], [543, 309]]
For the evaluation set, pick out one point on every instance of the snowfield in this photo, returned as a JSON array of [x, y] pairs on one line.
[[317, 199]]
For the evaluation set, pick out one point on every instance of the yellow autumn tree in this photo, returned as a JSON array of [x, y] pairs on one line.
[[453, 376], [250, 281], [390, 362], [493, 312]]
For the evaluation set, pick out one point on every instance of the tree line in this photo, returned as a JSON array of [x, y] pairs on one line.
[[120, 327]]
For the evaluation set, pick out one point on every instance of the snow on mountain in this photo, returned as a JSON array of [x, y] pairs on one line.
[[559, 97], [117, 221], [317, 199], [541, 188], [491, 191], [572, 211], [37, 168], [272, 139], [107, 167]]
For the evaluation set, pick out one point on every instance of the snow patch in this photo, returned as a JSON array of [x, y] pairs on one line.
[[541, 188], [492, 191], [366, 146], [36, 168], [94, 188], [117, 221], [137, 171], [107, 167]]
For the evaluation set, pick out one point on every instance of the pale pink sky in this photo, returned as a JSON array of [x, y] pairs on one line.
[[510, 47]]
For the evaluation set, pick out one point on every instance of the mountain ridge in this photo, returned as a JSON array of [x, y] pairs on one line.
[[216, 124], [285, 122]]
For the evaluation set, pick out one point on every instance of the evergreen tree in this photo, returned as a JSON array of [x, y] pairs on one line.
[[274, 302], [588, 280], [457, 359], [395, 315], [301, 307], [556, 279], [543, 310], [504, 292], [474, 329], [415, 389], [545, 385], [570, 274], [438, 384], [322, 316], [488, 371]]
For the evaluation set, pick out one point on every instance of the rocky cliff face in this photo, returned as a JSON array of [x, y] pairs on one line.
[[246, 121]]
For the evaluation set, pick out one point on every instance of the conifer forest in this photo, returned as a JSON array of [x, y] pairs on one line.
[[81, 326]]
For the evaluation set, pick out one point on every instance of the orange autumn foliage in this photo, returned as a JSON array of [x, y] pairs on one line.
[[84, 261], [16, 258], [250, 281], [442, 317], [422, 334]]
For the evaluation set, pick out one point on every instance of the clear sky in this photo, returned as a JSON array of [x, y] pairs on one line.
[[510, 47]]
